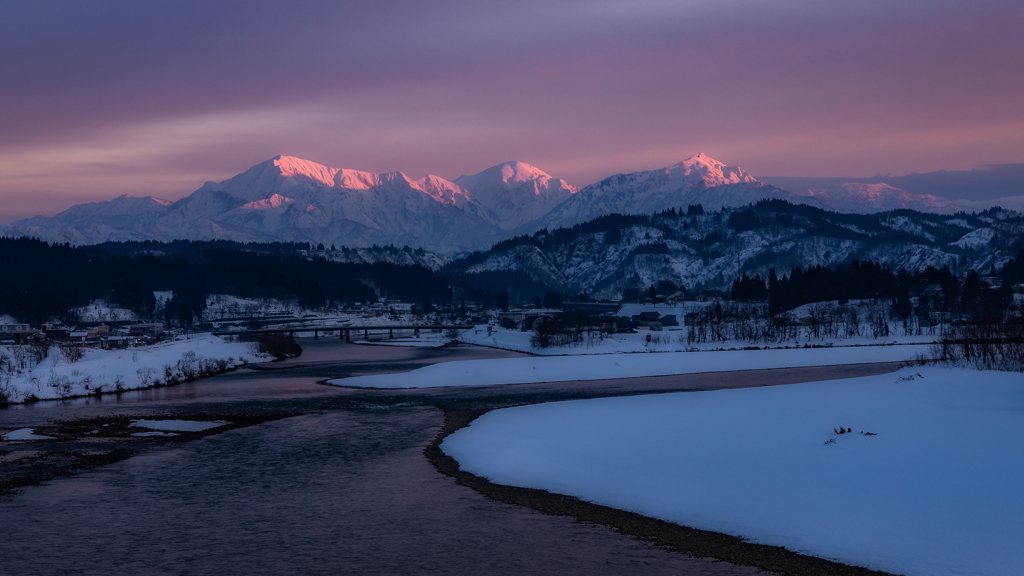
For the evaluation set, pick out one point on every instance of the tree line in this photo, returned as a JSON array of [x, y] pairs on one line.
[[940, 289], [49, 281]]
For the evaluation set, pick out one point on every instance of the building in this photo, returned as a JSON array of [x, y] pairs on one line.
[[711, 296], [16, 332], [151, 330], [546, 324], [14, 328], [654, 320], [676, 297], [519, 316]]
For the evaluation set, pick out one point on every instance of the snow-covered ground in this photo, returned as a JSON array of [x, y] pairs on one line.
[[937, 490], [567, 368], [103, 311], [111, 370], [24, 434], [220, 306], [178, 425]]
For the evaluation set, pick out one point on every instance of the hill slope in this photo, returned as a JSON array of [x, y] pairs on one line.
[[604, 256]]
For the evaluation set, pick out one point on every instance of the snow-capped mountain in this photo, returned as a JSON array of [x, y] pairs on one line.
[[516, 192], [696, 180], [123, 218], [290, 199], [864, 198]]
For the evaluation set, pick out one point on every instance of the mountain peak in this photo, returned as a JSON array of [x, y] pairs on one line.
[[515, 192], [516, 171], [301, 169], [292, 167], [704, 170], [509, 174], [142, 200]]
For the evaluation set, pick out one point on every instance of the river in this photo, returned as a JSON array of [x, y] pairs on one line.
[[343, 487]]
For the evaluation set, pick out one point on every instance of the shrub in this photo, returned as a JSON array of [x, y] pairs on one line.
[[545, 337], [39, 350], [7, 363], [70, 352], [188, 366], [279, 346], [7, 390], [60, 383], [145, 376], [998, 346], [170, 376]]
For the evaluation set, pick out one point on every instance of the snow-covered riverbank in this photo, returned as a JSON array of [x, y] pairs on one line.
[[669, 340], [934, 489], [102, 371], [607, 366]]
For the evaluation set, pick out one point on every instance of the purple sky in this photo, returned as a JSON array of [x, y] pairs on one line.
[[99, 99]]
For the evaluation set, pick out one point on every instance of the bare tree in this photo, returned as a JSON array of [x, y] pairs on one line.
[[70, 352]]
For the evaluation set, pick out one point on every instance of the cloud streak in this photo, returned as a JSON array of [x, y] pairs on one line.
[[98, 99]]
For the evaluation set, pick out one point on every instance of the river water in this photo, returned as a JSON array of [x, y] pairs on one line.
[[342, 488]]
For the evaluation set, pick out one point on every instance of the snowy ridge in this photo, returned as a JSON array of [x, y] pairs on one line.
[[696, 180], [708, 251], [287, 199], [291, 199], [868, 198], [516, 192]]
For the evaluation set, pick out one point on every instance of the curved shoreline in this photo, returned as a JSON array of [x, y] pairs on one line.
[[675, 537]]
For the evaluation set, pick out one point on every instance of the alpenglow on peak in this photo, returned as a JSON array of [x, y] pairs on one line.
[[287, 198], [705, 170]]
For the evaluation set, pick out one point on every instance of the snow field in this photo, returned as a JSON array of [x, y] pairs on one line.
[[608, 366], [936, 492]]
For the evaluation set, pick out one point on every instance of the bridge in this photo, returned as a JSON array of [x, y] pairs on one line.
[[345, 332]]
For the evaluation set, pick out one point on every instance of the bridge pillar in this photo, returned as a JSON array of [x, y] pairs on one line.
[[366, 334], [316, 335], [417, 332], [391, 332]]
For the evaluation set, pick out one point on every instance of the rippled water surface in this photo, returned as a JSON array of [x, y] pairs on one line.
[[340, 489], [339, 492]]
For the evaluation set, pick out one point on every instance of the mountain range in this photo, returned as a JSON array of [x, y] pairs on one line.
[[708, 250], [290, 199]]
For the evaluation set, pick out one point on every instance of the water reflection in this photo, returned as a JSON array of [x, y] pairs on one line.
[[342, 492]]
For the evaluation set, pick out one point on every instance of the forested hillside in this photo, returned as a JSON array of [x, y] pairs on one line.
[[699, 250], [43, 281]]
